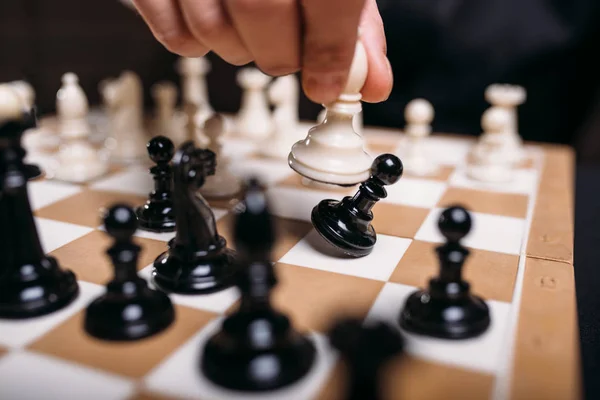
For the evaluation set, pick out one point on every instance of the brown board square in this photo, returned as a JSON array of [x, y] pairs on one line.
[[491, 275], [412, 378], [133, 359], [85, 208], [87, 257], [314, 299], [398, 220], [506, 204]]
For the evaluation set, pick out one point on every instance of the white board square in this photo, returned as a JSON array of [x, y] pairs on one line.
[[54, 234], [488, 232], [134, 180], [44, 193], [313, 252], [483, 353]]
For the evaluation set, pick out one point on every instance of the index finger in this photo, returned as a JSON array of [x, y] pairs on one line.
[[331, 31]]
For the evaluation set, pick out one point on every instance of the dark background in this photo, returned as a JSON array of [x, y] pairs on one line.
[[446, 51]]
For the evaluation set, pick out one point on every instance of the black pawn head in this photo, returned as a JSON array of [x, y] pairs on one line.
[[387, 168], [160, 149], [254, 229], [120, 222], [454, 223]]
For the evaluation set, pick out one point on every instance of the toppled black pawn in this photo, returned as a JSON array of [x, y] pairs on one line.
[[346, 224], [256, 349], [447, 309], [198, 260], [158, 214], [129, 310], [31, 283], [366, 350]]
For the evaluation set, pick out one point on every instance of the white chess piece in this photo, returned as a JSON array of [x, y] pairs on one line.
[[418, 114], [253, 121], [489, 160], [77, 160], [196, 104], [333, 152], [223, 183], [284, 95], [167, 120], [509, 97], [25, 91], [124, 98], [357, 121], [12, 106]]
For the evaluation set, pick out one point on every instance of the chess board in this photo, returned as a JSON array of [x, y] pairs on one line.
[[521, 263]]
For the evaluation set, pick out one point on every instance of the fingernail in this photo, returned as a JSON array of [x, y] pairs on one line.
[[324, 88]]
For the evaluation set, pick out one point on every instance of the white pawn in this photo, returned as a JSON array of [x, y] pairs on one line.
[[333, 152], [254, 118], [509, 97], [223, 183], [78, 161], [489, 160], [167, 121], [25, 91], [196, 104], [415, 158], [284, 95]]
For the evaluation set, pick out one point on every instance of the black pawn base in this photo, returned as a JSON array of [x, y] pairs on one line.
[[230, 360], [156, 217], [351, 234], [119, 317], [201, 273], [37, 290], [32, 171], [463, 317]]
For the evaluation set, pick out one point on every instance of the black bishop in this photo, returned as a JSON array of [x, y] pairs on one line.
[[257, 348], [447, 309], [31, 283]]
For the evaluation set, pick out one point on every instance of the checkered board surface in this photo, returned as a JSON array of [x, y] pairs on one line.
[[521, 263]]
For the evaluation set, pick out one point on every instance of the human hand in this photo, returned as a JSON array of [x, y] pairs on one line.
[[316, 37]]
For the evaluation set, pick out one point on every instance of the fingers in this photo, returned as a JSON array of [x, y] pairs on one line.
[[211, 25], [271, 32], [167, 24], [329, 43], [380, 79]]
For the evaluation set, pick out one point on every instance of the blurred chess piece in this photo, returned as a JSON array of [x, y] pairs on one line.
[[254, 118], [284, 94], [168, 121], [333, 152], [223, 183], [491, 158], [509, 97], [12, 106], [25, 91], [77, 160], [124, 98], [418, 115], [196, 105]]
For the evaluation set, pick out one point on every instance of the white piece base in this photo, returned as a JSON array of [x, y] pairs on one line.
[[490, 173], [79, 164], [127, 151], [334, 178]]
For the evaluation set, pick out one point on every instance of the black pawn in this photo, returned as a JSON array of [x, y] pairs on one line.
[[366, 350], [256, 349], [158, 215], [346, 224], [31, 283], [447, 309], [129, 310], [198, 260]]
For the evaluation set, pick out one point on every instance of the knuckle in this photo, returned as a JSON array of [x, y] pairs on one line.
[[176, 42], [328, 57]]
